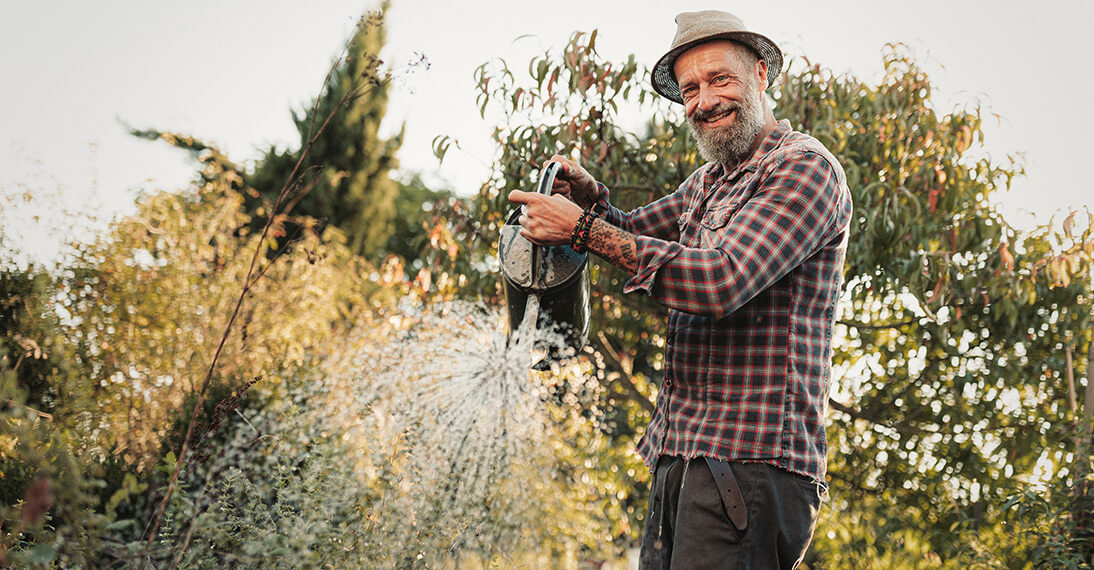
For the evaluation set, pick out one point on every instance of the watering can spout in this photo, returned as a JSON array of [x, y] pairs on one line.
[[552, 278]]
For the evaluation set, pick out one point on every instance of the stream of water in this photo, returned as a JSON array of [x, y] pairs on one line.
[[459, 429]]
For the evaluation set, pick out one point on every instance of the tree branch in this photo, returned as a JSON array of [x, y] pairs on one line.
[[616, 361]]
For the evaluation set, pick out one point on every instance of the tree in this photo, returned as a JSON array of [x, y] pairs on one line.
[[949, 363], [30, 345], [950, 370], [416, 204], [348, 183]]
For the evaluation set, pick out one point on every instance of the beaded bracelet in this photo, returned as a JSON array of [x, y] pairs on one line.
[[580, 235]]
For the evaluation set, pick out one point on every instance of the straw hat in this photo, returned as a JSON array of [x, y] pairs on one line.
[[694, 28]]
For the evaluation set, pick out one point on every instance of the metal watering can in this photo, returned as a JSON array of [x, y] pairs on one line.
[[551, 281]]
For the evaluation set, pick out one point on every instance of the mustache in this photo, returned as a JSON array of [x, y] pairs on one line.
[[719, 109]]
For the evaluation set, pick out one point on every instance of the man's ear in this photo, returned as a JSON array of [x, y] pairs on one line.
[[761, 73]]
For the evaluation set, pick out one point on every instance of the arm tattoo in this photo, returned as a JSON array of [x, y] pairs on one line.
[[616, 246]]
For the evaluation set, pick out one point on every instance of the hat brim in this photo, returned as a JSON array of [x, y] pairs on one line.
[[664, 77]]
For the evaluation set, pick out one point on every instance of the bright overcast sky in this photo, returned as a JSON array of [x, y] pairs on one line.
[[228, 71]]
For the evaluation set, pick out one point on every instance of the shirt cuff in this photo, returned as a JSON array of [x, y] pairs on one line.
[[651, 255], [603, 208], [602, 204]]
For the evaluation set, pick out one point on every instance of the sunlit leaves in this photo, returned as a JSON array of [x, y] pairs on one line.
[[947, 366], [150, 299], [927, 406]]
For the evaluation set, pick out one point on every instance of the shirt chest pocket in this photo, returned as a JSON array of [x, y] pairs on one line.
[[687, 230], [712, 227]]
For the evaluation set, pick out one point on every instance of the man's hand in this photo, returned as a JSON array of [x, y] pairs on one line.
[[575, 183], [546, 220]]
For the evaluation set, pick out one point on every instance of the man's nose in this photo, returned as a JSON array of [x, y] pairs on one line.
[[707, 99]]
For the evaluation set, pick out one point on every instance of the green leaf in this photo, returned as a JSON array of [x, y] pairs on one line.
[[121, 524], [41, 554]]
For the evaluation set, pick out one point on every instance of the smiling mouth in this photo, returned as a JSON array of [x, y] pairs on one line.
[[717, 117]]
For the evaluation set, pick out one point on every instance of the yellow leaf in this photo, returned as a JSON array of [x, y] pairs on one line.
[[964, 139], [1068, 222], [1008, 258], [1073, 263]]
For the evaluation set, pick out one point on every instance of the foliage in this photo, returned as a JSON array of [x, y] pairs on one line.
[[134, 318], [949, 360], [347, 182], [269, 482], [1056, 519], [950, 368], [150, 300], [417, 206], [31, 347], [143, 308], [955, 436], [51, 495], [341, 470]]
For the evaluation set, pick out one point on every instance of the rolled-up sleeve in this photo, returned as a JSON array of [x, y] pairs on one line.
[[781, 225]]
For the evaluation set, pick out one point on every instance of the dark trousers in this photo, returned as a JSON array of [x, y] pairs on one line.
[[687, 526]]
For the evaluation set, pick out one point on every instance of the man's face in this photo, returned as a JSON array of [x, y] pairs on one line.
[[719, 82]]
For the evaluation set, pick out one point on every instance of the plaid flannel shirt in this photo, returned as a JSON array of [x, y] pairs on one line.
[[750, 264]]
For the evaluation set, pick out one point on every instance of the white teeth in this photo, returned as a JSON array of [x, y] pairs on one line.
[[717, 118]]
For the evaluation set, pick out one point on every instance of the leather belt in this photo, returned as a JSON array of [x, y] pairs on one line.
[[732, 499]]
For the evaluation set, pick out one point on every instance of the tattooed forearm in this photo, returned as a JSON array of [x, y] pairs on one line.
[[616, 246]]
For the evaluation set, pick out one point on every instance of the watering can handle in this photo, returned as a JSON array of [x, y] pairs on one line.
[[546, 181]]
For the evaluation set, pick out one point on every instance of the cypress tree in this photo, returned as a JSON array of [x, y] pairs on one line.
[[345, 180]]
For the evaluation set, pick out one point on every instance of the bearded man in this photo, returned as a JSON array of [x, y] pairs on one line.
[[747, 255]]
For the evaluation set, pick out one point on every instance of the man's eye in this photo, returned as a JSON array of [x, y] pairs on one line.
[[720, 80]]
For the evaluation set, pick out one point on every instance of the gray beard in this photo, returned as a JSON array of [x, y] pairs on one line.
[[731, 144]]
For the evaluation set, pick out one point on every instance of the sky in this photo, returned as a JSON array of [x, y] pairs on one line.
[[229, 71]]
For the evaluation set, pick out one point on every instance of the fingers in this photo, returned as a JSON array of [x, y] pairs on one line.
[[530, 200], [562, 180], [572, 171], [524, 233], [569, 170], [527, 227], [520, 197], [535, 199], [569, 167]]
